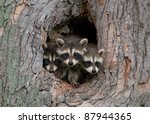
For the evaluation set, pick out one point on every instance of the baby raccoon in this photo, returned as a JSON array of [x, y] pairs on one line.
[[51, 60], [92, 59], [71, 52]]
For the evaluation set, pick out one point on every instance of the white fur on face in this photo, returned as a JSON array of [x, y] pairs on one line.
[[51, 67], [48, 67], [50, 58], [54, 67], [100, 59], [72, 52], [73, 60], [66, 61], [88, 59], [77, 51], [62, 51], [89, 69], [69, 51], [97, 69], [54, 58]]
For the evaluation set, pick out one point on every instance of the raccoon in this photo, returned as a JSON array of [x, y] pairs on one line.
[[51, 61], [71, 52], [92, 59]]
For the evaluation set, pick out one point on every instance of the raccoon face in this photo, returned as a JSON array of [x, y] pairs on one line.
[[71, 53], [92, 61], [51, 62], [50, 59]]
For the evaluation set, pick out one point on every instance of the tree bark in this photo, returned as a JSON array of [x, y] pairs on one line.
[[123, 30]]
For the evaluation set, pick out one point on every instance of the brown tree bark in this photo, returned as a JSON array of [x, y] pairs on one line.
[[123, 30]]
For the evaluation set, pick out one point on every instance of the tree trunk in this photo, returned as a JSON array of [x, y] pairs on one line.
[[123, 30]]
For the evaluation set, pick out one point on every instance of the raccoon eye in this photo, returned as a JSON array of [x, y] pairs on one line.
[[57, 62], [64, 56], [77, 56], [98, 64], [87, 64], [46, 62]]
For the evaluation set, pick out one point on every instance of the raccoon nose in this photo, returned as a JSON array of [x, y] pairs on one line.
[[93, 71], [50, 71], [70, 63]]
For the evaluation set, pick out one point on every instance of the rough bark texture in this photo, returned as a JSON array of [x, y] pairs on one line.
[[123, 30]]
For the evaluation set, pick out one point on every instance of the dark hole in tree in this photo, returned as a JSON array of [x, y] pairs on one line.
[[79, 26], [82, 27]]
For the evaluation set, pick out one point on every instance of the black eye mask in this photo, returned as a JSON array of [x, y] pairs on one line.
[[77, 56], [58, 62], [64, 55], [98, 64], [46, 62], [87, 64]]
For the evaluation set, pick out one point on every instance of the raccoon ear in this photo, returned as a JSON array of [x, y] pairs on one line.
[[60, 42], [84, 50], [83, 42], [101, 52]]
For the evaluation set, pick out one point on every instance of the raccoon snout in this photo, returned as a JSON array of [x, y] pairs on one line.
[[52, 68], [51, 71], [70, 63], [93, 71]]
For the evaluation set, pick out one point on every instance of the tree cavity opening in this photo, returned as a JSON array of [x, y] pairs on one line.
[[77, 27]]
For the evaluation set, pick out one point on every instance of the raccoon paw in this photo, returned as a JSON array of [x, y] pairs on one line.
[[75, 85]]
